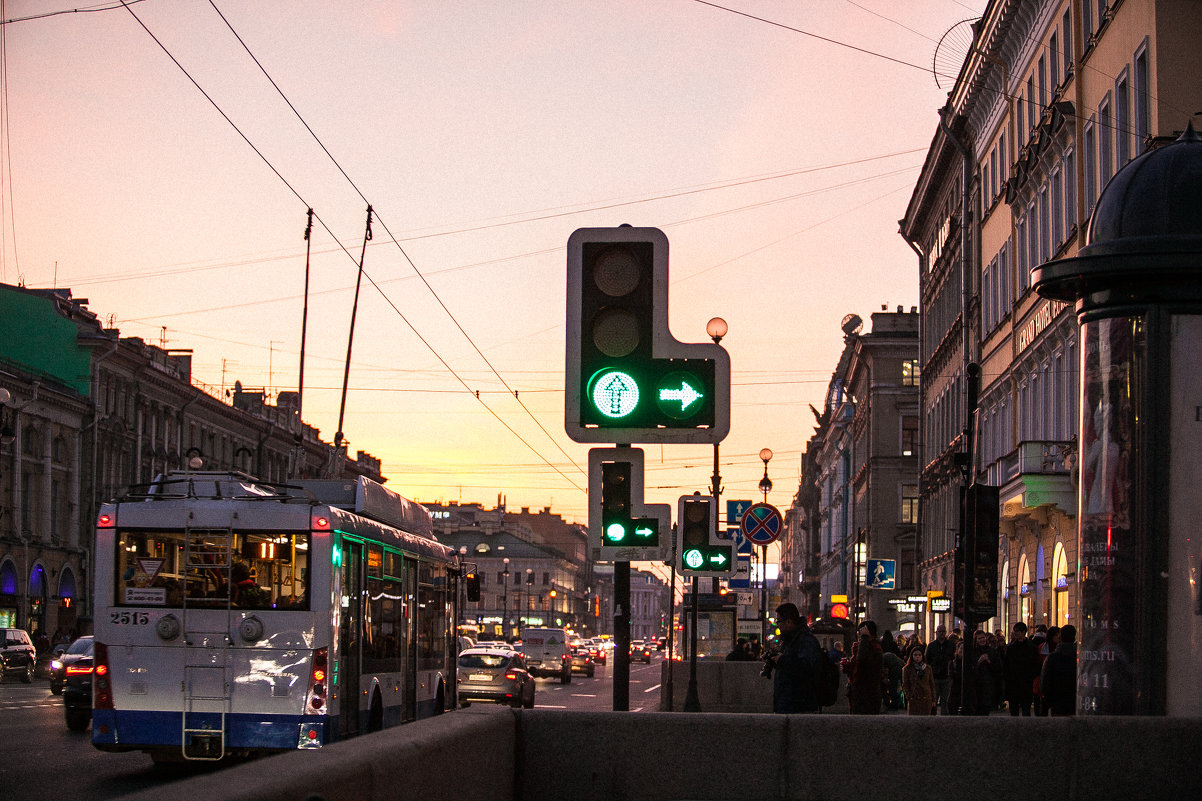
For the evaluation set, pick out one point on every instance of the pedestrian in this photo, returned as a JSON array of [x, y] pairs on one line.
[[795, 664], [982, 679], [1021, 668], [1059, 677], [893, 671], [939, 655], [867, 672], [1046, 648], [918, 683], [739, 654], [955, 690]]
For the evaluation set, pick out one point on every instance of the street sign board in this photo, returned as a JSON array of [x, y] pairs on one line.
[[881, 573], [741, 577], [735, 510], [762, 524]]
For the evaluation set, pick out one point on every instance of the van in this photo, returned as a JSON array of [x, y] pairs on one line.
[[547, 653]]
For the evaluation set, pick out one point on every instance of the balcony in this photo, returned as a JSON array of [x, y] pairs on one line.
[[1037, 473]]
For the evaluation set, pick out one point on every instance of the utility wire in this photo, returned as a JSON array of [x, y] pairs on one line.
[[335, 238], [395, 241]]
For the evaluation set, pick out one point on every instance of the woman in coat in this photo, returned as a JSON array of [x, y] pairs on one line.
[[918, 683]]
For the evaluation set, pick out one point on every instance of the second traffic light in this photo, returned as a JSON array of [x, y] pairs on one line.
[[700, 551], [621, 527]]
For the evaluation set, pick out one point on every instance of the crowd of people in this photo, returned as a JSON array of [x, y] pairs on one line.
[[1027, 676]]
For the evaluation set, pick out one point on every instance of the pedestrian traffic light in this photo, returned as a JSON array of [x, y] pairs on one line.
[[701, 552], [621, 527], [473, 586], [627, 378]]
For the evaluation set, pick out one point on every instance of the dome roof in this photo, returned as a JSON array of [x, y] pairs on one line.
[[1145, 235], [1153, 204]]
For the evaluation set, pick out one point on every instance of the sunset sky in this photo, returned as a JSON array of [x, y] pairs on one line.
[[775, 143]]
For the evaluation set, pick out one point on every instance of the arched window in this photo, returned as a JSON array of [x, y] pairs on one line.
[[1025, 590], [8, 579], [1060, 611], [66, 583], [1005, 586]]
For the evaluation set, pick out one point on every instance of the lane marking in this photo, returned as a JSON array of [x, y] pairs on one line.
[[651, 689]]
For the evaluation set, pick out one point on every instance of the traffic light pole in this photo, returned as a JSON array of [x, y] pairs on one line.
[[621, 636], [692, 702]]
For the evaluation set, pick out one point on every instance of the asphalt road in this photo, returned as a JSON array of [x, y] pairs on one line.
[[41, 760]]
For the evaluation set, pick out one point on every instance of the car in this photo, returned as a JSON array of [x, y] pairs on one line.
[[598, 651], [640, 651], [77, 692], [582, 661], [496, 675], [547, 653], [18, 657], [58, 668]]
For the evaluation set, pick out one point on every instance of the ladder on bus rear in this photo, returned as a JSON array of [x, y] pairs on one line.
[[208, 656]]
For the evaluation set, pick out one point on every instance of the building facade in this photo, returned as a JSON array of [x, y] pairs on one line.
[[1053, 98], [852, 528]]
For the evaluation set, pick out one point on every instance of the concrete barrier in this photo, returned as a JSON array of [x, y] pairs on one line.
[[499, 754]]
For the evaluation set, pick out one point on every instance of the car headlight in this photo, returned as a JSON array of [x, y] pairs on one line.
[[56, 665]]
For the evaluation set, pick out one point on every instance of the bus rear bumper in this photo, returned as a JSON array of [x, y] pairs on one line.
[[130, 730]]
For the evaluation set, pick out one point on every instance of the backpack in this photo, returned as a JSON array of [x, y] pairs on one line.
[[828, 679]]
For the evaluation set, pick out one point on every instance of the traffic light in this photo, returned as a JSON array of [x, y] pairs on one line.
[[621, 526], [627, 378], [838, 611], [701, 553], [473, 586]]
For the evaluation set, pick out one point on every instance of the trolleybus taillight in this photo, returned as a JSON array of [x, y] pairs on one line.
[[318, 683], [102, 687]]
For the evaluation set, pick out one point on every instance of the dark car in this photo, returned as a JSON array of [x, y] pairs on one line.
[[597, 651], [18, 657], [497, 675], [77, 692], [582, 661], [640, 651], [58, 667]]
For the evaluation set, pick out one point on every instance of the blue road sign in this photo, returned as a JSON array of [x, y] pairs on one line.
[[735, 510], [741, 578], [880, 573]]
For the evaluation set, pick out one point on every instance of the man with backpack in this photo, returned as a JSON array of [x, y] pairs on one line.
[[796, 665]]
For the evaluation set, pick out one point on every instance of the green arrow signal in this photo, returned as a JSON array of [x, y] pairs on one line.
[[686, 395], [718, 558], [643, 531]]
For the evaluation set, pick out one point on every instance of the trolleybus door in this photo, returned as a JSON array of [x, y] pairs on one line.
[[350, 638], [409, 646]]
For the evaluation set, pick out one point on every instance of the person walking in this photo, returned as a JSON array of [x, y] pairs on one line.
[[939, 655], [918, 684], [1059, 678], [795, 664], [867, 673], [983, 677], [1021, 668]]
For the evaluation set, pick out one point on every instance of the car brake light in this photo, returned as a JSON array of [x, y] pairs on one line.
[[79, 669], [511, 676], [317, 681]]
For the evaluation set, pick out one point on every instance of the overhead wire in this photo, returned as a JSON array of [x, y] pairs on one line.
[[318, 217]]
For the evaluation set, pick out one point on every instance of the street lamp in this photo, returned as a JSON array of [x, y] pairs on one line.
[[529, 587], [716, 328], [505, 600], [765, 487]]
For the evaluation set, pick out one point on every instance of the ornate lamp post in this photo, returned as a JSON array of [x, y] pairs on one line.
[[505, 600]]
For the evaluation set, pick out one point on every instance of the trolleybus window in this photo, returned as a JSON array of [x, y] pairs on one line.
[[252, 570]]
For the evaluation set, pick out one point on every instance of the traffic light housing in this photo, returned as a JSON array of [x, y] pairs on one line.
[[621, 527], [627, 378], [701, 553], [473, 586]]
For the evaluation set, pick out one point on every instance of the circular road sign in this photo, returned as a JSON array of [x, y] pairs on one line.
[[761, 524]]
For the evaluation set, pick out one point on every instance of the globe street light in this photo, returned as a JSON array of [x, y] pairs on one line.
[[505, 600]]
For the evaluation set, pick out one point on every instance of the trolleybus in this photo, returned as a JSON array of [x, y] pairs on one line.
[[236, 617]]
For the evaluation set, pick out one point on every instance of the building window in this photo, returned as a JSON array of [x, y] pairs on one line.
[[1066, 27], [909, 439], [1143, 99], [910, 373], [1054, 60], [909, 504], [1057, 212], [1105, 143], [1090, 144], [1122, 119]]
